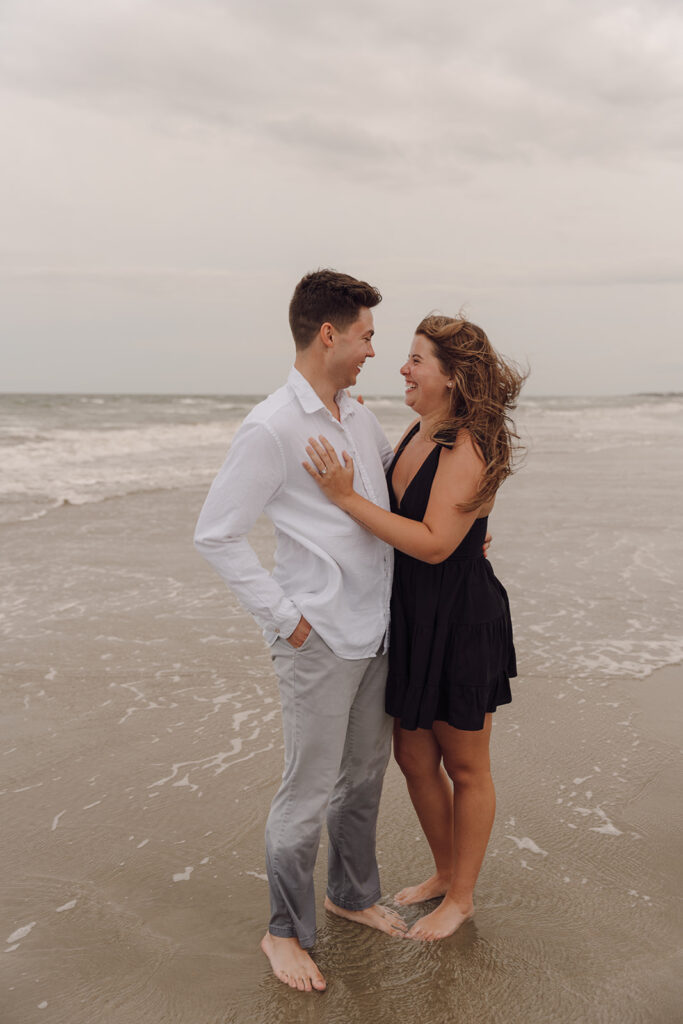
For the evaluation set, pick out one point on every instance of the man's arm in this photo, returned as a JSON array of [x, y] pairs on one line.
[[249, 479]]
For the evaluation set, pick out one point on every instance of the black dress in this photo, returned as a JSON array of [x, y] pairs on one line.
[[451, 654]]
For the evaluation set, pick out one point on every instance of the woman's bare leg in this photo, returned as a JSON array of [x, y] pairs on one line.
[[466, 759], [419, 757]]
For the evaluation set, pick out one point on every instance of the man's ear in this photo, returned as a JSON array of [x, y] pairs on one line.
[[327, 334]]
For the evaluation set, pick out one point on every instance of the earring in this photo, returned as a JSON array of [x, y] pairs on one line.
[[450, 384]]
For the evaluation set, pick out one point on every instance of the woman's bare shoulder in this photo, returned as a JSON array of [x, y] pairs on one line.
[[460, 470], [464, 450]]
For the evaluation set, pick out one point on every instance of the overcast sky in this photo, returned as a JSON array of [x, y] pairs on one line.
[[171, 168]]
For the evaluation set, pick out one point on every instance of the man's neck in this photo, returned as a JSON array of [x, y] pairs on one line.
[[319, 380]]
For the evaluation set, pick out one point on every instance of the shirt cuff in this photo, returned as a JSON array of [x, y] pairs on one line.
[[287, 619]]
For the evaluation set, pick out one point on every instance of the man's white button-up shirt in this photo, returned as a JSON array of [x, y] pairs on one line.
[[327, 567]]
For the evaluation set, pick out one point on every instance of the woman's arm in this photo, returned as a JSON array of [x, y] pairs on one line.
[[443, 528]]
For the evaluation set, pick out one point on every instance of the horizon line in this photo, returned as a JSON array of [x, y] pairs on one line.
[[262, 394]]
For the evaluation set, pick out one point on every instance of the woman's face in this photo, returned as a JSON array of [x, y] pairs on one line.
[[426, 383]]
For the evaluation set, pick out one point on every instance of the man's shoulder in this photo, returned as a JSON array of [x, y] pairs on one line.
[[273, 408]]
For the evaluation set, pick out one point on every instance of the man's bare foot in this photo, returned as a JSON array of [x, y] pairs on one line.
[[291, 964], [435, 886], [443, 921], [377, 916]]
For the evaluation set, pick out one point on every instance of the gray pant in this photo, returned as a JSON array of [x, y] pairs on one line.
[[337, 743]]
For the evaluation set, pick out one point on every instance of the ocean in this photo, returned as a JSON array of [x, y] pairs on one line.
[[597, 503]]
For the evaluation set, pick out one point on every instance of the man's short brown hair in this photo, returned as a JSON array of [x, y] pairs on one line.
[[326, 296]]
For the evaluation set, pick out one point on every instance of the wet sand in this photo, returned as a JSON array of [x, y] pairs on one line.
[[139, 750]]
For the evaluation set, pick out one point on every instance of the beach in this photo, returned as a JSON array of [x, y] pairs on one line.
[[140, 742]]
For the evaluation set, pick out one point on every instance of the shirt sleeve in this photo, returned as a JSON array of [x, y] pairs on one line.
[[251, 476]]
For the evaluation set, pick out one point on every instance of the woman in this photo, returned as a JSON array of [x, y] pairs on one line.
[[451, 652]]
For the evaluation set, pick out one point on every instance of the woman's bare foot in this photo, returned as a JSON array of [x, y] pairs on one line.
[[377, 916], [291, 964], [443, 921], [435, 886]]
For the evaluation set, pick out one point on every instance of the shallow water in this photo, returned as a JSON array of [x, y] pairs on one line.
[[140, 747]]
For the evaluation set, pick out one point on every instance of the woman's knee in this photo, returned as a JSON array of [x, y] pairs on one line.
[[466, 756], [415, 759], [466, 772], [409, 764]]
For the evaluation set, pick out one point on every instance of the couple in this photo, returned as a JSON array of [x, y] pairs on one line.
[[325, 608]]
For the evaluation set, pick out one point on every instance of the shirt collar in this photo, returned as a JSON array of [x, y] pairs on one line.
[[311, 401]]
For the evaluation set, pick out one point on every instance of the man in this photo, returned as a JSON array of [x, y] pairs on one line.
[[324, 611]]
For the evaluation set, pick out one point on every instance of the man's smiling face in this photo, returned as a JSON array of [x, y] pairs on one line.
[[350, 348]]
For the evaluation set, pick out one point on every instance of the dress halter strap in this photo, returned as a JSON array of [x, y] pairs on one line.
[[409, 436]]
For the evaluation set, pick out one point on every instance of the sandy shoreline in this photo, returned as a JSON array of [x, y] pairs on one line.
[[140, 747]]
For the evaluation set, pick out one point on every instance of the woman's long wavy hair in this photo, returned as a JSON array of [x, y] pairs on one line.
[[485, 390]]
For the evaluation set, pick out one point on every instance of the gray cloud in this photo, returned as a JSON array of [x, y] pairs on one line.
[[171, 167], [567, 79]]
